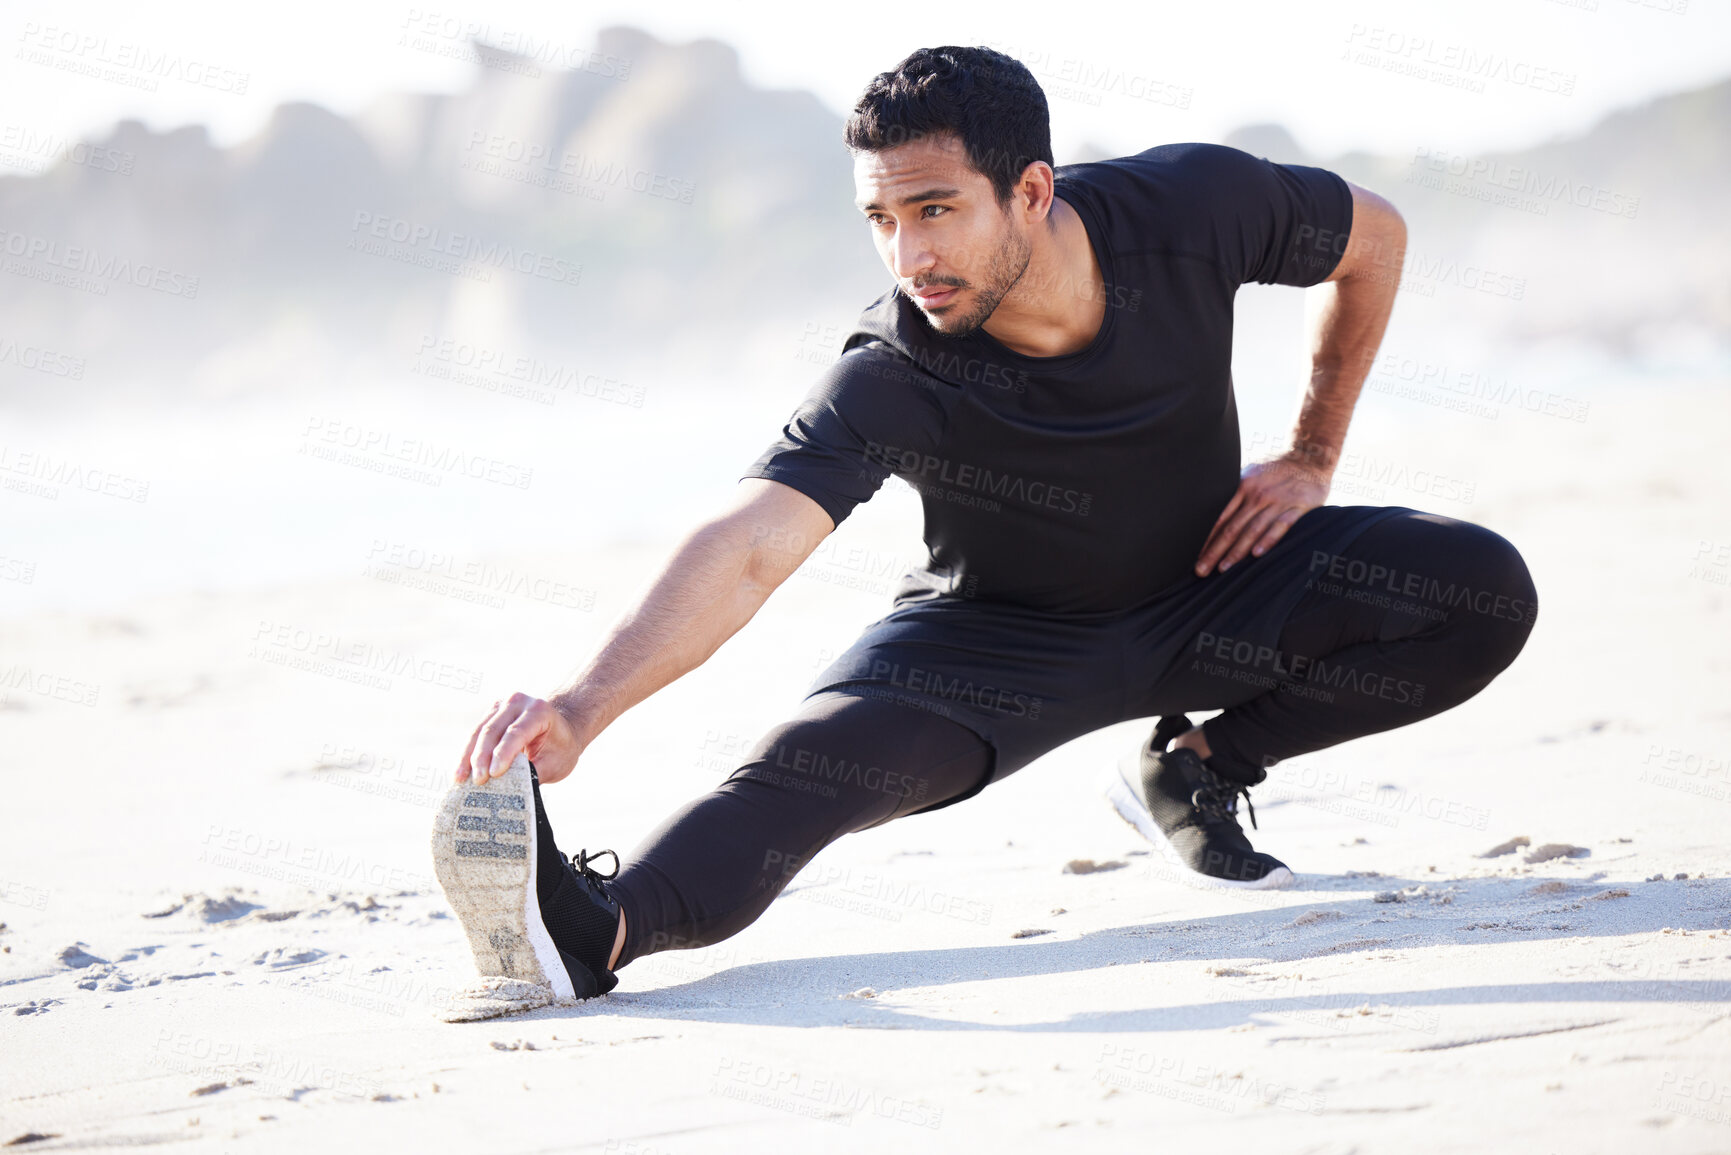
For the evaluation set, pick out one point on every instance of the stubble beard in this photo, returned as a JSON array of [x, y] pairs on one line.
[[1009, 262]]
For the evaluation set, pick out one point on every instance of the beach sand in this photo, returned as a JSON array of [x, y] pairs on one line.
[[221, 929]]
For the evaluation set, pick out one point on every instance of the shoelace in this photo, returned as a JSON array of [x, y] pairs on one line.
[[583, 858], [1217, 798]]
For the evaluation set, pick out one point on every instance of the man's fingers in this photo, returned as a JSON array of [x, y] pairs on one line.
[[530, 724], [1231, 507], [1220, 536], [1247, 535], [481, 761], [1229, 536], [469, 750], [1276, 531]]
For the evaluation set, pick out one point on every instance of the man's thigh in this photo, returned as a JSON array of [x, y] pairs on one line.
[[853, 758], [1025, 682], [1215, 643]]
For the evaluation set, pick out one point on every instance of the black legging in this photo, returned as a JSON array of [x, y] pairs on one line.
[[1419, 602], [1420, 612]]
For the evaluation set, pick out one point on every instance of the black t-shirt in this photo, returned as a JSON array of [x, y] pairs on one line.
[[1085, 483]]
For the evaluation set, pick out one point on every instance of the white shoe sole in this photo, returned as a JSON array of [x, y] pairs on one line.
[[1126, 798], [484, 858]]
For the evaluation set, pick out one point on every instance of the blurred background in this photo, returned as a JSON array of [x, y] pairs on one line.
[[586, 263]]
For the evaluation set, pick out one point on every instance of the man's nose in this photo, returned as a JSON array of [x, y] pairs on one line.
[[909, 255]]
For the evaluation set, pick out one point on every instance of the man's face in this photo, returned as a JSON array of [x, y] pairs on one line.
[[953, 251]]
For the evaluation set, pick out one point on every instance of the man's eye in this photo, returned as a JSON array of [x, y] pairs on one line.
[[876, 219]]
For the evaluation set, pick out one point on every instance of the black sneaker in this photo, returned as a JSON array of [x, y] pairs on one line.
[[1190, 813], [534, 921]]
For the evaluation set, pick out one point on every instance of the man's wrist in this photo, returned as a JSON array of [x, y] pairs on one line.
[[1321, 456], [577, 707]]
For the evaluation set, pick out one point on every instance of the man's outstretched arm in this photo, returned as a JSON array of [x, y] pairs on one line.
[[715, 582], [1346, 316]]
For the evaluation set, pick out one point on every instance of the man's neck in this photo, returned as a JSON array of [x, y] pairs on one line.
[[1060, 303]]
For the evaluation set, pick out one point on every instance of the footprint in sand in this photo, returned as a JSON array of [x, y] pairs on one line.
[[35, 1006], [282, 959]]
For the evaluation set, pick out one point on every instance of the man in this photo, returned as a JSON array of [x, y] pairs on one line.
[[1052, 374]]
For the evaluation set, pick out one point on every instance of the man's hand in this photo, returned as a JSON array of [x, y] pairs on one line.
[[521, 723], [1271, 496]]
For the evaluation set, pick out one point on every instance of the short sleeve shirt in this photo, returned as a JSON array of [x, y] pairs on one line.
[[1088, 482]]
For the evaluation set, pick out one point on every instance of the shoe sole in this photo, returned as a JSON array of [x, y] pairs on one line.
[[1126, 799], [484, 858]]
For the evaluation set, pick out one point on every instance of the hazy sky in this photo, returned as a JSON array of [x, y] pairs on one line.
[[1468, 74]]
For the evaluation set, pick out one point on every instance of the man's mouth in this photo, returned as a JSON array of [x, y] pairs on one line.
[[933, 295]]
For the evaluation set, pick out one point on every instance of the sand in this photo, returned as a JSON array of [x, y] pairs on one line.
[[222, 931]]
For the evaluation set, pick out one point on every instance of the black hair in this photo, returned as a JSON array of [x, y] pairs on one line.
[[988, 99]]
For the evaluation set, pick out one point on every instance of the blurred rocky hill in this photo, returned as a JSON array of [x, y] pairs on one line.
[[654, 201]]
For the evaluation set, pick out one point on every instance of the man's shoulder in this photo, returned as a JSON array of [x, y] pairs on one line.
[[1192, 166], [874, 383], [1185, 198], [1159, 199]]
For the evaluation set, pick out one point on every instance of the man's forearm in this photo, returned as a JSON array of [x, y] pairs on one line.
[[1347, 318], [709, 588]]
